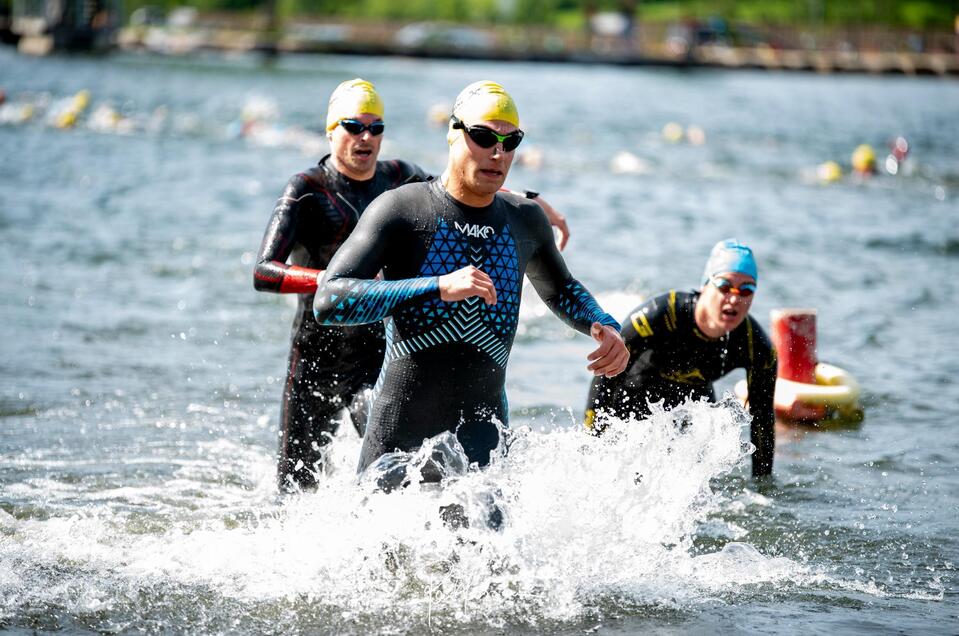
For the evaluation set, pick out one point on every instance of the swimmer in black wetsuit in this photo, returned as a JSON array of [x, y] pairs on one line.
[[453, 253], [681, 342], [330, 368]]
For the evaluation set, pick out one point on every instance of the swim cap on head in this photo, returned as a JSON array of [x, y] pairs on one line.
[[730, 256], [485, 101], [351, 98]]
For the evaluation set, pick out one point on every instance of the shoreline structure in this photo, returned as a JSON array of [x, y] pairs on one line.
[[679, 45]]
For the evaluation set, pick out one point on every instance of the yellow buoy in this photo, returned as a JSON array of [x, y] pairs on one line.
[[864, 159]]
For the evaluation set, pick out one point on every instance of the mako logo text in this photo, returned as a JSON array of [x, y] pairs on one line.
[[480, 231]]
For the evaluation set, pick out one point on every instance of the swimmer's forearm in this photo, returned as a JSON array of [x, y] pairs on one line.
[[564, 295], [273, 276], [763, 436], [576, 307], [762, 432], [271, 273], [557, 220], [355, 301]]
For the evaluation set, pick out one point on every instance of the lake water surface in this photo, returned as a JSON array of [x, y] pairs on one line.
[[140, 375]]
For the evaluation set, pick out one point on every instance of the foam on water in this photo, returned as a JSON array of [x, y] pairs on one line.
[[593, 526]]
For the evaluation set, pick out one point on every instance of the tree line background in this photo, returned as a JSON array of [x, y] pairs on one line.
[[572, 14]]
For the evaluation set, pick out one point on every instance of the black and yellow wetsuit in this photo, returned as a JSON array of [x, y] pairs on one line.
[[445, 364], [329, 367], [671, 360]]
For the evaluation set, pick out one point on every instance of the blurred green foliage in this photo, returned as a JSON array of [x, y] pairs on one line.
[[917, 14]]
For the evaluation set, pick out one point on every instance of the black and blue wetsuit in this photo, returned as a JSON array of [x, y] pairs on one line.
[[330, 368], [670, 359], [445, 363]]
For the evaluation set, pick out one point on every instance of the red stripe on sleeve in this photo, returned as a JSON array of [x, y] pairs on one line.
[[299, 280]]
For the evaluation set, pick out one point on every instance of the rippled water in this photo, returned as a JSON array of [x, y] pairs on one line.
[[140, 376]]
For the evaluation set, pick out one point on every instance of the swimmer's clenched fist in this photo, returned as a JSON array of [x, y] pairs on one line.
[[466, 283], [611, 357]]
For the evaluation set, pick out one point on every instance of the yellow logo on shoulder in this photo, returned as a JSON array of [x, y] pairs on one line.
[[641, 324]]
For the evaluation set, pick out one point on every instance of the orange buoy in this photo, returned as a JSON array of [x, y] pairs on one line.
[[807, 390]]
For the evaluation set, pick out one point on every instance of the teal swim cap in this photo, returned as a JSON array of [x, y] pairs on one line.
[[730, 256]]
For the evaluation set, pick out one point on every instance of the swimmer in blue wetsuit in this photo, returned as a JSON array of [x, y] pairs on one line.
[[331, 368], [681, 342], [453, 253]]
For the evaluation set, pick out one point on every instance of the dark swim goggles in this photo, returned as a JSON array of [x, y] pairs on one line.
[[726, 287], [355, 127], [486, 138]]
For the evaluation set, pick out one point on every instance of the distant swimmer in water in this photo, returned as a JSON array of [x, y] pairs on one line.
[[453, 253], [681, 342], [330, 368]]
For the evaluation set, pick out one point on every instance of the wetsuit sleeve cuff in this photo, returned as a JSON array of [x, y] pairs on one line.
[[300, 280], [609, 321]]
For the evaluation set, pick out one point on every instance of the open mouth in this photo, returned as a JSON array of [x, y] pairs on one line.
[[492, 173], [729, 313], [363, 153]]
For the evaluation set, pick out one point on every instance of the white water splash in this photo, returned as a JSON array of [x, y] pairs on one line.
[[591, 525]]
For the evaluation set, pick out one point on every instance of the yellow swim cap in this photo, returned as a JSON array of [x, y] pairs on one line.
[[485, 101], [864, 158], [81, 100], [351, 98], [67, 119]]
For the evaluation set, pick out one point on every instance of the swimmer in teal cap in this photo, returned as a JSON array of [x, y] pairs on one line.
[[681, 342], [731, 256]]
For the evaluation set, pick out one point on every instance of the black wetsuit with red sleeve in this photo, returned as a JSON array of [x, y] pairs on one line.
[[445, 364], [671, 360], [329, 367]]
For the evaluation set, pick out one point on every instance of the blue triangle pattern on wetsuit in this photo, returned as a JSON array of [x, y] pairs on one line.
[[432, 322], [502, 265], [577, 303], [447, 253], [362, 301]]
